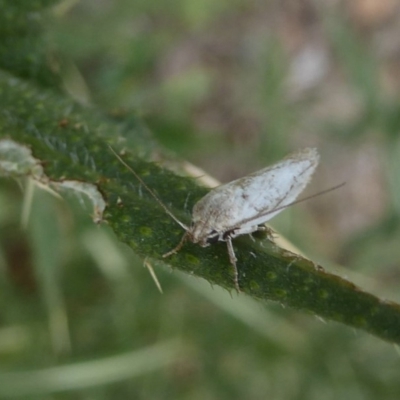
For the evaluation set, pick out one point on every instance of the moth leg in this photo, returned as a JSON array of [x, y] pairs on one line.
[[267, 230], [233, 259], [178, 247]]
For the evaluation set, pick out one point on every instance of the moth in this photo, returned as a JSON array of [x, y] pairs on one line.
[[245, 204]]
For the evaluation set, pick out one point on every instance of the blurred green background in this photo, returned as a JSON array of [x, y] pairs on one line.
[[231, 86]]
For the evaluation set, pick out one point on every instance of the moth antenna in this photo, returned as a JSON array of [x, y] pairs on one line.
[[325, 191], [293, 203], [149, 190], [179, 246]]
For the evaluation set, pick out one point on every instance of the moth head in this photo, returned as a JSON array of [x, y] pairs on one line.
[[199, 232]]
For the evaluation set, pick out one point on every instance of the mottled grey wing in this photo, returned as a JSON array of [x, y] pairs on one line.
[[254, 198]]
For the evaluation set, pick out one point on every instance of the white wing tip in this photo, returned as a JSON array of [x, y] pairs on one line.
[[308, 153]]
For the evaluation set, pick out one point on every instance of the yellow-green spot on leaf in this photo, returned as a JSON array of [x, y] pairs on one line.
[[145, 173], [280, 293], [133, 244], [145, 231], [271, 276], [323, 294], [359, 321], [192, 259], [126, 218], [254, 285]]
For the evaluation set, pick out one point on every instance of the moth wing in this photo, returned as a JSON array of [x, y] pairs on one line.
[[253, 199], [273, 188]]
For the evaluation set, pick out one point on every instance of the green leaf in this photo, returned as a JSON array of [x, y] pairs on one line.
[[69, 143], [23, 44]]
